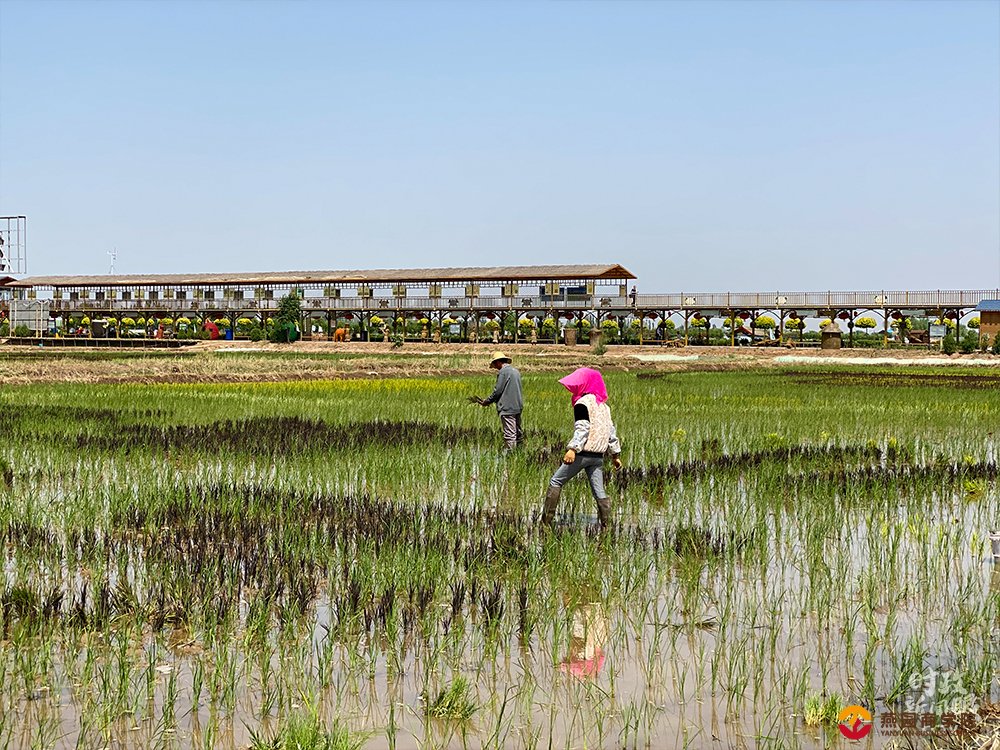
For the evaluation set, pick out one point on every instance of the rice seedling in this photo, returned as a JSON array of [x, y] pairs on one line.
[[306, 733], [187, 564], [453, 702], [820, 710]]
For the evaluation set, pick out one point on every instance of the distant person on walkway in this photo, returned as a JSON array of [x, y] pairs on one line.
[[633, 296], [507, 396], [594, 434]]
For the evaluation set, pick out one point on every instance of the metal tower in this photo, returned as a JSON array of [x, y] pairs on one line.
[[13, 246]]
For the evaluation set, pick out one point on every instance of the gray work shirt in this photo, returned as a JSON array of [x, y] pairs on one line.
[[507, 394]]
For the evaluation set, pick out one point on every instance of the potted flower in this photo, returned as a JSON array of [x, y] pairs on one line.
[[609, 331]]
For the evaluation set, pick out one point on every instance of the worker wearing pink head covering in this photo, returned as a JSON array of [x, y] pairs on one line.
[[594, 434], [584, 380]]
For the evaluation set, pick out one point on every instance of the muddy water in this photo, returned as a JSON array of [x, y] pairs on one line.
[[602, 681], [593, 677]]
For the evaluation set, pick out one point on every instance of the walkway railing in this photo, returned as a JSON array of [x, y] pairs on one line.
[[693, 301], [826, 300]]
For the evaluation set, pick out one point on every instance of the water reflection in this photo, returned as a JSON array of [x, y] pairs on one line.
[[588, 637]]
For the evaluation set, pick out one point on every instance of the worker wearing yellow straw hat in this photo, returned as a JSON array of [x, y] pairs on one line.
[[507, 396]]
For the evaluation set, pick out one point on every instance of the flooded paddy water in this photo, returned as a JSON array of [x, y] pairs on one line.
[[203, 566]]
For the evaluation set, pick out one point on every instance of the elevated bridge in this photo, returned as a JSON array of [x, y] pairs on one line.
[[467, 297]]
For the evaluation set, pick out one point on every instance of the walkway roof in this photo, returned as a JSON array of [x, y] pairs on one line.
[[495, 274], [989, 305]]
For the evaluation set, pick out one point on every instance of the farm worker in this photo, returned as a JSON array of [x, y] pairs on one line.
[[507, 396], [594, 434]]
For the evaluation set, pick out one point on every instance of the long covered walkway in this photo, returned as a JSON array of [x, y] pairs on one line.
[[451, 303]]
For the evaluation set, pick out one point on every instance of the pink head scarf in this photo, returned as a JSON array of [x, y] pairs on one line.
[[585, 380]]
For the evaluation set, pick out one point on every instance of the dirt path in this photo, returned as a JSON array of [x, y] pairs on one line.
[[241, 362]]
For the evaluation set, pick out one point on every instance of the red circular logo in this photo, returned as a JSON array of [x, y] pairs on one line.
[[855, 722]]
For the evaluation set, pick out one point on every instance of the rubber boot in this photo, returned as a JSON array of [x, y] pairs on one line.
[[551, 502], [604, 513]]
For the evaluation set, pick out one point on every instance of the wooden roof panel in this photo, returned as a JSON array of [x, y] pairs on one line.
[[377, 276]]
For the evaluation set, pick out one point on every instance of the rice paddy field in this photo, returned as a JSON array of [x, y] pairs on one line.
[[355, 563]]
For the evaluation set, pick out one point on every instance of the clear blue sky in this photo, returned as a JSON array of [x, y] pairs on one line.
[[705, 146]]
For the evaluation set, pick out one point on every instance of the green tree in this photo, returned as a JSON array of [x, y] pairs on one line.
[[634, 331], [973, 323], [866, 322], [996, 343], [948, 344], [970, 342], [286, 322], [764, 322], [509, 324]]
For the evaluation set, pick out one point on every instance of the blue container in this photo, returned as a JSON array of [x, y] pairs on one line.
[[229, 334]]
